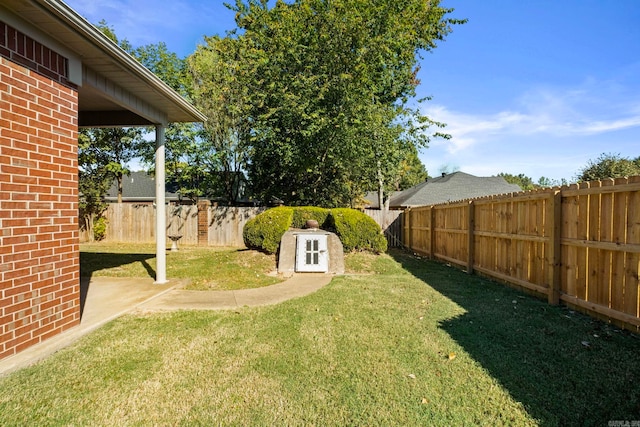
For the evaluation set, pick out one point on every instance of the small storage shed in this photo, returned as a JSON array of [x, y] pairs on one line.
[[58, 72]]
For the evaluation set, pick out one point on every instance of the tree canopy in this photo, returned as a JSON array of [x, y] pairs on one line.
[[609, 165], [313, 99], [317, 93], [527, 183]]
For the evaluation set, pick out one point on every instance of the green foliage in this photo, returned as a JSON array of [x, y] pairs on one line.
[[219, 78], [188, 156], [543, 181], [522, 180], [99, 228], [324, 87], [165, 64], [303, 213], [609, 166], [412, 171], [108, 31], [526, 183], [265, 230], [93, 181], [357, 231], [103, 153]]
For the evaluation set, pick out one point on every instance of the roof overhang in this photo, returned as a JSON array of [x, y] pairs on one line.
[[114, 89]]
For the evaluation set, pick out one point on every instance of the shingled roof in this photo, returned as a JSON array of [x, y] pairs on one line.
[[140, 187], [450, 188]]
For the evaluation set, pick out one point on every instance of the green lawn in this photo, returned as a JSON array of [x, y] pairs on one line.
[[411, 343], [206, 268]]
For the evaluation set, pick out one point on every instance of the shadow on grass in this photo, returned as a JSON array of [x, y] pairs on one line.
[[90, 262], [565, 368]]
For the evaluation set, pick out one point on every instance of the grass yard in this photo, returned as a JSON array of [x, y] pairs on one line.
[[206, 268], [410, 343]]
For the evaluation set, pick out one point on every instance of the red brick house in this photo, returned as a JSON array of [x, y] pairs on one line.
[[57, 72]]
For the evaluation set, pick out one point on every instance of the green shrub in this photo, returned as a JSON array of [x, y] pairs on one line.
[[356, 230], [265, 230], [302, 214], [99, 228]]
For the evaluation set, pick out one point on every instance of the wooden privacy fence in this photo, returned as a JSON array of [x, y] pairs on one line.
[[197, 224], [391, 224], [206, 225], [578, 244]]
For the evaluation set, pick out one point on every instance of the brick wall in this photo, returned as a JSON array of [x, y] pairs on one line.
[[39, 252]]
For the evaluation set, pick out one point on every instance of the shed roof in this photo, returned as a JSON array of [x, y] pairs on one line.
[[452, 187], [113, 88]]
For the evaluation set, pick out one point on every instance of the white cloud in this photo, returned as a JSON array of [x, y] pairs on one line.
[[574, 112]]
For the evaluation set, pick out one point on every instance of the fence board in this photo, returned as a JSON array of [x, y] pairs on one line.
[[616, 291], [583, 253], [632, 263], [569, 230], [418, 230]]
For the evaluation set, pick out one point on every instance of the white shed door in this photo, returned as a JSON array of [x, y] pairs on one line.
[[311, 253]]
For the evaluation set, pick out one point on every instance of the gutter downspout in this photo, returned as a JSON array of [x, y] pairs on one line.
[[161, 215]]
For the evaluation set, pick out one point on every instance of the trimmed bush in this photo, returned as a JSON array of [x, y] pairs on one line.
[[265, 230], [356, 230], [304, 213]]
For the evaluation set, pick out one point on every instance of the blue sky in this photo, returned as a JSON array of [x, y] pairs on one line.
[[538, 87]]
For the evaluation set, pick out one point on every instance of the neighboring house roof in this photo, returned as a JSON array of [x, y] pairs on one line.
[[371, 199], [140, 187], [450, 188], [113, 88]]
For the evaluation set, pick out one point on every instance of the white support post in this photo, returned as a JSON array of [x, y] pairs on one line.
[[161, 215]]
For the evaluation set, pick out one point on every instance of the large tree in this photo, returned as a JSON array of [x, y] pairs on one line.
[[221, 93], [327, 88]]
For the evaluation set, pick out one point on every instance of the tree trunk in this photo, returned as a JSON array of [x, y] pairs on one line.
[[384, 205], [119, 178], [88, 226], [380, 188]]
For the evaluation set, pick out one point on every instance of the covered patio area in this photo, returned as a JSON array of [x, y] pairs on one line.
[[59, 73]]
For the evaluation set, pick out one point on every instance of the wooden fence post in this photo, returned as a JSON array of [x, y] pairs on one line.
[[554, 224], [406, 228], [432, 231], [470, 242], [203, 222]]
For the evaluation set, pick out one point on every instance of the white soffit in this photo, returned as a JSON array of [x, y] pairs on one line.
[[115, 88]]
